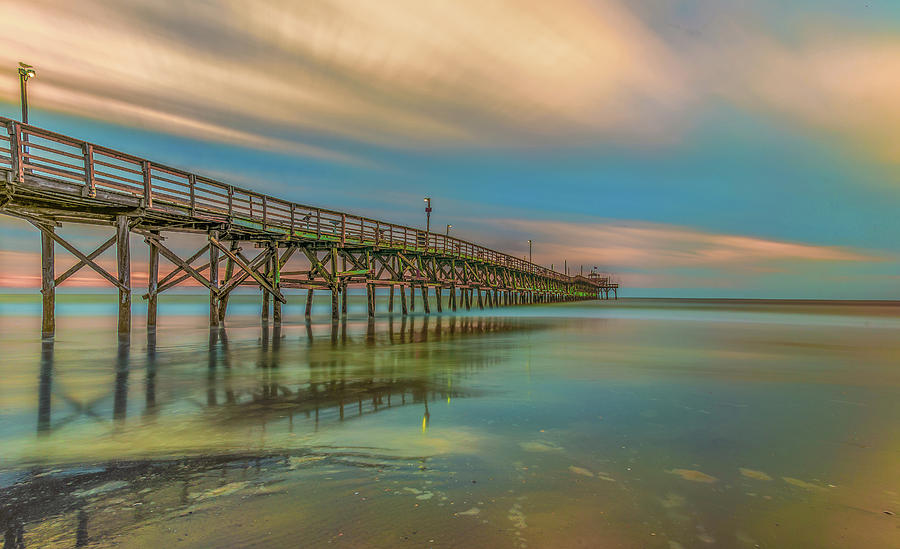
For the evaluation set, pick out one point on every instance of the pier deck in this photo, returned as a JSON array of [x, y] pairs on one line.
[[50, 180]]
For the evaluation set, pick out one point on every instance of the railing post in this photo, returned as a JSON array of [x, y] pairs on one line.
[[148, 193], [89, 170], [343, 228], [192, 182], [230, 201], [377, 233], [318, 224], [292, 219], [264, 212], [15, 151]]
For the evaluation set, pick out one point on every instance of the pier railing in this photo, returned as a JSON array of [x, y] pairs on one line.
[[27, 150]]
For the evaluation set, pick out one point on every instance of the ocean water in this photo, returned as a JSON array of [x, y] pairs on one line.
[[629, 423]]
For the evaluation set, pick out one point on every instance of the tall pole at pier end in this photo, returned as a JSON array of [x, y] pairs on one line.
[[529, 251], [25, 72], [427, 215]]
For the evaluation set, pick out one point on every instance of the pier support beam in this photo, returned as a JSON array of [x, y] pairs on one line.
[[123, 263], [309, 300], [48, 284], [214, 282], [276, 283], [152, 282], [425, 304], [335, 297], [437, 295], [229, 272], [267, 274], [391, 300], [370, 300], [403, 307]]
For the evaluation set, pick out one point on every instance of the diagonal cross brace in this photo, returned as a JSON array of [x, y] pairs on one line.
[[76, 267], [317, 266], [179, 268], [85, 259], [237, 278], [171, 256], [248, 269], [163, 287]]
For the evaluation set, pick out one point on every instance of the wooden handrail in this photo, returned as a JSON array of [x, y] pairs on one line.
[[283, 216]]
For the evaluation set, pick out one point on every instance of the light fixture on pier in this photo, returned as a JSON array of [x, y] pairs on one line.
[[448, 229], [26, 72], [427, 214]]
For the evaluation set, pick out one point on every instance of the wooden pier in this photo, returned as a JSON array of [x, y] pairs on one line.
[[49, 180]]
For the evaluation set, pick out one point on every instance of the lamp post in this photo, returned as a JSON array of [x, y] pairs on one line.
[[427, 215], [529, 252], [25, 72], [448, 229]]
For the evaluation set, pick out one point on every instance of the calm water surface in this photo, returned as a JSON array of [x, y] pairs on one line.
[[637, 423]]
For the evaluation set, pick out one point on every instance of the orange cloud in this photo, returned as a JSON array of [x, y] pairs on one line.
[[636, 245]]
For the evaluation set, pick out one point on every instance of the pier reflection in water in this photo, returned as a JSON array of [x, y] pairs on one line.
[[648, 425], [305, 377], [339, 371]]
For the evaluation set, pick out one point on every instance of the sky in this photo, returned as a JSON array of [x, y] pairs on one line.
[[692, 148]]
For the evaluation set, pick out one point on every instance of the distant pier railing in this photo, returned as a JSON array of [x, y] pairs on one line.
[[97, 168]]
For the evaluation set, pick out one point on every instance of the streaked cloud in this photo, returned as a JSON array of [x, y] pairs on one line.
[[660, 247], [830, 79], [278, 73]]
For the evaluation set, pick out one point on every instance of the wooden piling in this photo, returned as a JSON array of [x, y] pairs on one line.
[[453, 298], [403, 307], [425, 303], [123, 263], [213, 282], [264, 314], [234, 248], [309, 300], [276, 283], [48, 284], [370, 300], [412, 298], [437, 295], [335, 297], [391, 300], [152, 282]]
